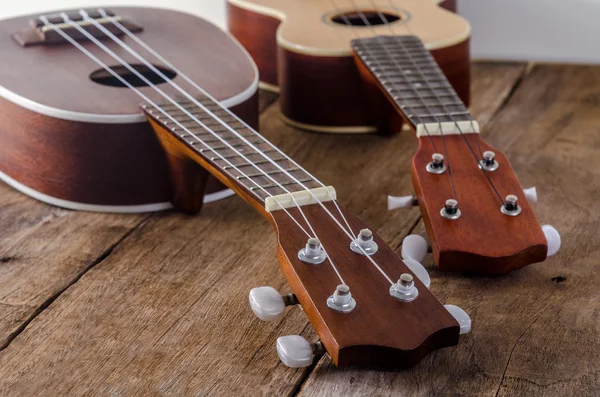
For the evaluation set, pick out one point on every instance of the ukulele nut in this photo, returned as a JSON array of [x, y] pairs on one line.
[[313, 253], [405, 289], [437, 165], [364, 243], [450, 210], [489, 163], [341, 301], [511, 206]]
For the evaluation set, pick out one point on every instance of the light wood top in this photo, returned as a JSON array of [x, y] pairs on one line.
[[308, 28]]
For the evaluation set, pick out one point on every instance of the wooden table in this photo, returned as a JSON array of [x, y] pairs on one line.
[[95, 304]]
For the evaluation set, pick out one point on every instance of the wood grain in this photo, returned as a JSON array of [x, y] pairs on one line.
[[131, 325]]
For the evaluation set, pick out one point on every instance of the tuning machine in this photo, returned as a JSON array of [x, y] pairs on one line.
[[404, 202], [268, 304], [463, 319], [552, 235], [296, 352]]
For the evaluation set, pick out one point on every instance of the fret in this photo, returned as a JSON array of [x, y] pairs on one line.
[[419, 98], [260, 162], [448, 104], [435, 115], [208, 126], [279, 184], [190, 105], [412, 78], [199, 116], [406, 86], [394, 57], [233, 146], [274, 172], [232, 156], [409, 68]]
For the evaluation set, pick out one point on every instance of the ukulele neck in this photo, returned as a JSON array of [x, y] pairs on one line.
[[236, 154], [414, 83]]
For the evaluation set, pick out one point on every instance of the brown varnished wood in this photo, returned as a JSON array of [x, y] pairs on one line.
[[188, 181], [258, 35], [89, 162], [381, 330], [106, 164], [173, 144], [482, 240]]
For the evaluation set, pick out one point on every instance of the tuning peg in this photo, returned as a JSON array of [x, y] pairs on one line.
[[553, 238], [415, 247], [296, 352], [268, 304], [531, 194], [461, 316], [401, 202], [419, 270]]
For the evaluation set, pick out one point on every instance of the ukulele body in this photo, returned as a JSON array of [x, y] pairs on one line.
[[72, 142], [304, 55]]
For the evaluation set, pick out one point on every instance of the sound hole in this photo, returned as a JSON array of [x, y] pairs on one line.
[[365, 18], [102, 76]]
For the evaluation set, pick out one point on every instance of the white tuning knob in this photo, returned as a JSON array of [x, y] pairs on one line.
[[531, 194], [461, 316], [296, 352], [415, 247], [401, 202], [419, 271], [553, 238], [268, 304]]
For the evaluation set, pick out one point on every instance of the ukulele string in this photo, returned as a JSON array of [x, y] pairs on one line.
[[414, 90], [148, 100], [184, 110], [148, 48], [120, 26], [463, 135]]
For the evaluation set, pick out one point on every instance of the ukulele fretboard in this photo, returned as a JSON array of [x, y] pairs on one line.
[[412, 78], [233, 148]]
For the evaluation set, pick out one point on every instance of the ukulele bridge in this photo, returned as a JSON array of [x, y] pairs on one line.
[[43, 30]]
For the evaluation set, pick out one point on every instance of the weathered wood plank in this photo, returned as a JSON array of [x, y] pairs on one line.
[[535, 331], [166, 312], [43, 250]]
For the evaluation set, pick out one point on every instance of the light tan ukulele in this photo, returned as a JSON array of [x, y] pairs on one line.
[[303, 49]]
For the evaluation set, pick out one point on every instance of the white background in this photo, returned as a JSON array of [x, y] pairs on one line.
[[540, 30]]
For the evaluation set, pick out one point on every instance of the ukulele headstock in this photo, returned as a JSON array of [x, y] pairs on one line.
[[380, 329], [487, 234]]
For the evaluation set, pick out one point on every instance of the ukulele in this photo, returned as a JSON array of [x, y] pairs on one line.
[[366, 304], [477, 215], [303, 50]]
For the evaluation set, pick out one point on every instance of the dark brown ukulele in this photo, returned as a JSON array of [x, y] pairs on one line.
[[367, 305]]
